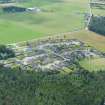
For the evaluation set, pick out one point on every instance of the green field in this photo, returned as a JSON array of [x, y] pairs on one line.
[[59, 16], [98, 10], [81, 83], [96, 64], [95, 40]]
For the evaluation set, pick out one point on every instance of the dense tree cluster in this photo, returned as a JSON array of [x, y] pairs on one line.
[[6, 52], [97, 24], [12, 9], [19, 87]]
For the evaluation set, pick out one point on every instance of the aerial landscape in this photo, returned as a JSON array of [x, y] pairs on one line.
[[52, 52]]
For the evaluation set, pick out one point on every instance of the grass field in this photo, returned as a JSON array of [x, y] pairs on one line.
[[96, 64], [91, 38], [99, 10], [61, 16]]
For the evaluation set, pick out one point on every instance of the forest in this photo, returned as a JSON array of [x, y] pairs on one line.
[[81, 87]]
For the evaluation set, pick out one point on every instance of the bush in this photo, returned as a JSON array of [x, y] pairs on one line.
[[6, 52]]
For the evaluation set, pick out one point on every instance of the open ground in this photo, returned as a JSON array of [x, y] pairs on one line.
[[56, 17]]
